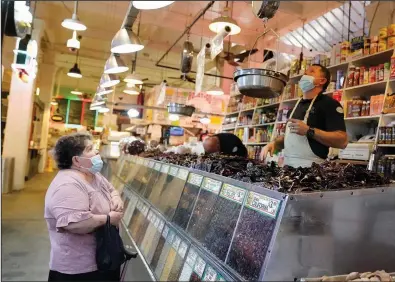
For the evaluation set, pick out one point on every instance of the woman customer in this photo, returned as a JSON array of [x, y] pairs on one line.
[[76, 203]]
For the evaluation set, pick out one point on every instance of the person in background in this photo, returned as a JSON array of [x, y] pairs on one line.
[[77, 202], [315, 124], [225, 143]]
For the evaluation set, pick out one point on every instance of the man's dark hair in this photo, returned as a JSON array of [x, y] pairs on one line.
[[326, 73], [68, 147]]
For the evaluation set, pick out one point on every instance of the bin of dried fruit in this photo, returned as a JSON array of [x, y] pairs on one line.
[[378, 276], [135, 147]]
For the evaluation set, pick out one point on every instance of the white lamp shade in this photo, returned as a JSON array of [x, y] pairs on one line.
[[76, 92], [132, 113], [133, 79], [205, 120], [97, 101], [131, 90], [114, 65], [94, 108], [73, 24], [74, 42], [173, 117], [75, 71], [109, 80], [220, 23], [151, 5], [103, 90], [215, 91], [125, 41], [104, 110]]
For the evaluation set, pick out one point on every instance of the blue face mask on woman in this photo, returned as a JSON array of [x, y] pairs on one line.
[[97, 164], [306, 83]]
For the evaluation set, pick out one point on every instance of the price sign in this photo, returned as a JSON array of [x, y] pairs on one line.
[[165, 232], [153, 219], [161, 226], [176, 242], [211, 185], [149, 216], [182, 174], [210, 274], [200, 265], [145, 210], [191, 257], [195, 179], [151, 164], [156, 222], [165, 169], [182, 250], [157, 166], [173, 171], [263, 204], [233, 193]]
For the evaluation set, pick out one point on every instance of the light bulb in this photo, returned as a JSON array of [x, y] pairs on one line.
[[74, 42], [132, 113], [173, 117]]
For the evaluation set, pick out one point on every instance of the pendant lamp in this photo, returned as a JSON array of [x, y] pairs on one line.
[[205, 120], [126, 41], [221, 22], [103, 90], [97, 101], [95, 108], [215, 91], [133, 78], [109, 80], [115, 64], [131, 90], [150, 5], [76, 92], [103, 110], [132, 113], [75, 70], [174, 117], [74, 23], [74, 43], [54, 102]]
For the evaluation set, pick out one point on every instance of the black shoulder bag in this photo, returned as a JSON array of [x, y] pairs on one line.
[[110, 251]]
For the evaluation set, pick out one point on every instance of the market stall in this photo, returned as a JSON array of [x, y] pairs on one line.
[[192, 225]]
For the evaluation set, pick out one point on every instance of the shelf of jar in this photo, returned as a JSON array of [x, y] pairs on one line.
[[256, 125], [224, 127], [290, 100], [373, 59], [232, 113], [247, 110], [268, 105], [385, 145], [338, 66], [362, 118], [256, 144], [379, 85]]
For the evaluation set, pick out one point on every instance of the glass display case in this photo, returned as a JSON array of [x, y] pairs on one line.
[[191, 225]]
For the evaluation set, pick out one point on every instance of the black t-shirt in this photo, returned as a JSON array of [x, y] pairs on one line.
[[231, 145], [326, 114]]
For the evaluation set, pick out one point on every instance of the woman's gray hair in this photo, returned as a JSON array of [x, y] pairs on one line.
[[68, 147]]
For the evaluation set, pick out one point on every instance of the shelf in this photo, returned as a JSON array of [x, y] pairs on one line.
[[389, 115], [338, 66], [256, 125], [355, 162], [247, 110], [232, 113], [291, 100], [268, 105], [385, 145], [256, 144], [374, 59], [364, 118], [375, 86]]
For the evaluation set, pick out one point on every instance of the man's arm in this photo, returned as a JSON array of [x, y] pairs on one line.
[[277, 144]]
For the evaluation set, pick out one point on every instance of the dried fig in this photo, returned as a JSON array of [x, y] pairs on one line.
[[352, 276]]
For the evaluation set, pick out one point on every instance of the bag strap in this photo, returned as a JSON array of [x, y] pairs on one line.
[[108, 223]]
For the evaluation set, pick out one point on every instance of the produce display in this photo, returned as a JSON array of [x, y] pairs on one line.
[[378, 276]]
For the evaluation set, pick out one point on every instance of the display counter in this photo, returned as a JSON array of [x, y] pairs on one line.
[[190, 225]]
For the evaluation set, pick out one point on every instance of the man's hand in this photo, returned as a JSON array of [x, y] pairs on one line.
[[269, 148], [116, 204], [298, 127]]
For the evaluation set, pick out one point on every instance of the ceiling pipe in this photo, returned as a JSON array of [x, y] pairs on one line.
[[187, 29], [130, 16]]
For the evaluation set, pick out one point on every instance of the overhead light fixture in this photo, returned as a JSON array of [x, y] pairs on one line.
[[151, 5], [97, 101], [215, 91], [74, 23], [74, 43], [132, 113], [38, 91], [95, 108], [115, 64], [109, 80], [205, 120], [75, 70], [103, 90], [131, 90], [173, 117], [126, 41], [221, 22], [133, 78], [22, 12], [54, 102], [76, 92], [103, 110]]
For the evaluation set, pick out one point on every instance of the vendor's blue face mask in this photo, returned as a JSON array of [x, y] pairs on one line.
[[306, 83], [97, 164]]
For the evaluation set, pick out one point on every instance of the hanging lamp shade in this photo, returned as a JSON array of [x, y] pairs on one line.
[[75, 71], [76, 92], [174, 117], [74, 23], [109, 80], [215, 91], [97, 101], [95, 108], [126, 41], [131, 90], [132, 113], [103, 110], [205, 120], [54, 102], [151, 5], [133, 78], [74, 42], [103, 90], [114, 65], [220, 23]]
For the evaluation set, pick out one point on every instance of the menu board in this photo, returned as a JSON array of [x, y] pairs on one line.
[[253, 235], [89, 116], [75, 112], [224, 219], [152, 183], [187, 200], [205, 205]]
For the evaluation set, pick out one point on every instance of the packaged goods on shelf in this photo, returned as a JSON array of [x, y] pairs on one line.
[[265, 115], [245, 119], [392, 66], [385, 166], [389, 104], [376, 104], [386, 135], [337, 95], [248, 103]]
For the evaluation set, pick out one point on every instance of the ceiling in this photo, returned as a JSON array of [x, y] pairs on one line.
[[158, 30]]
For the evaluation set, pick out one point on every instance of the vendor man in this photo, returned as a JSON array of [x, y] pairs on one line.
[[225, 143], [315, 124]]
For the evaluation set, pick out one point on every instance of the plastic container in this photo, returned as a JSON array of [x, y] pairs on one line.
[[383, 33]]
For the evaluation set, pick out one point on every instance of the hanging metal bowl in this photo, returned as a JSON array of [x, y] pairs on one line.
[[180, 109], [260, 83]]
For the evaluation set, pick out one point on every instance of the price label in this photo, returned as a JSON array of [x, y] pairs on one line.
[[156, 222], [195, 179], [210, 274], [165, 232], [161, 226], [191, 257], [182, 250], [157, 166], [173, 171], [170, 237], [211, 185], [182, 174], [146, 162], [145, 210], [233, 193], [263, 204], [165, 169], [176, 242], [151, 164], [149, 216], [200, 265]]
